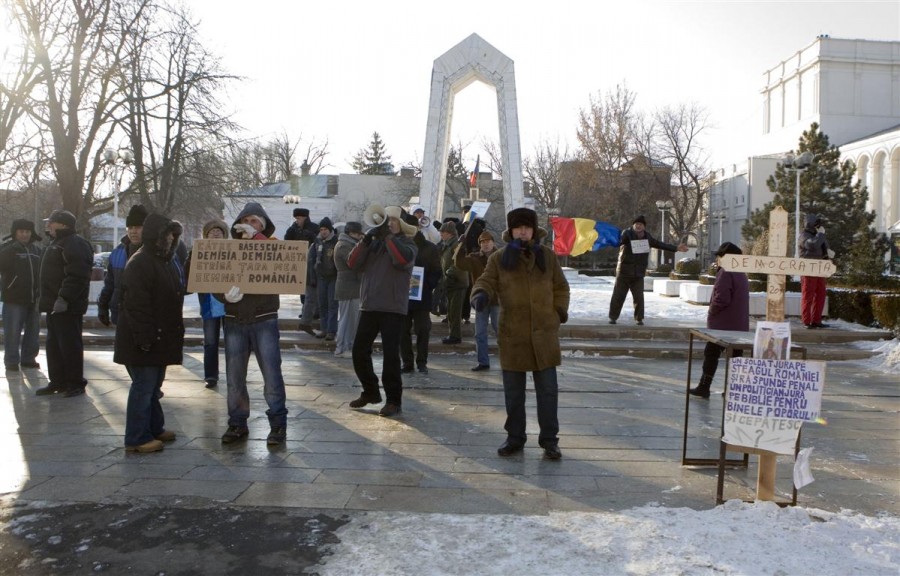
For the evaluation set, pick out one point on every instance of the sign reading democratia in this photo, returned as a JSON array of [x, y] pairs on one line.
[[254, 266], [768, 401]]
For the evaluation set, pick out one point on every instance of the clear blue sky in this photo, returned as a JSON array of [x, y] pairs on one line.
[[341, 70]]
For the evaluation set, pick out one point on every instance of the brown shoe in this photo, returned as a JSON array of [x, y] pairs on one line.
[[390, 410], [151, 446], [166, 436], [363, 400]]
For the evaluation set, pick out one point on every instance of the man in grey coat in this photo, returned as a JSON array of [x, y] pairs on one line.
[[346, 291]]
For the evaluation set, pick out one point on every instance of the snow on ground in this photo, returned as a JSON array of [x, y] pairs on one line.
[[733, 539]]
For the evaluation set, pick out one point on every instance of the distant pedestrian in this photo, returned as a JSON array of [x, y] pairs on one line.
[[418, 316], [634, 254], [251, 325], [212, 312], [812, 288], [108, 301], [729, 309], [385, 256], [326, 279], [455, 282], [150, 330], [346, 290], [528, 282], [20, 291], [65, 287], [303, 229], [474, 263]]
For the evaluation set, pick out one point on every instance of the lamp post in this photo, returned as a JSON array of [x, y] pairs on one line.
[[664, 207], [798, 164], [113, 158]]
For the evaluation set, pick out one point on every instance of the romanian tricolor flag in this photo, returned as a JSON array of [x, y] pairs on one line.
[[473, 177], [575, 236]]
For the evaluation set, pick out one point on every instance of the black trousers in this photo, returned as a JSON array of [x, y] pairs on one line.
[[65, 350], [418, 322], [711, 355], [389, 324], [624, 284]]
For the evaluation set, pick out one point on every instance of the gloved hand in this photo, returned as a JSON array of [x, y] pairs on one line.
[[370, 235], [103, 316], [563, 315], [234, 295], [244, 230], [820, 229], [144, 347], [479, 301], [60, 305]]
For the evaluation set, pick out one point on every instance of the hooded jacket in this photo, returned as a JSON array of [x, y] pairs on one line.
[[253, 307], [812, 242], [529, 303], [150, 331], [20, 273], [66, 272]]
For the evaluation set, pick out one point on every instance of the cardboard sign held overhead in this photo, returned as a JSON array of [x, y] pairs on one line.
[[254, 266]]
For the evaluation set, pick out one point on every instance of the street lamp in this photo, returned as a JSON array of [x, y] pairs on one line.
[[664, 207], [113, 158], [798, 164]]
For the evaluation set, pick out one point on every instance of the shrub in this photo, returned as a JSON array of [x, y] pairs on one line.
[[886, 310], [662, 270]]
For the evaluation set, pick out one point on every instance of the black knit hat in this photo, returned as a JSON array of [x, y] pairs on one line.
[[22, 224], [727, 248], [326, 223], [522, 217], [136, 216], [640, 219], [301, 212]]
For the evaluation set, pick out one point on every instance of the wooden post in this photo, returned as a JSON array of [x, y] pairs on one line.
[[776, 266]]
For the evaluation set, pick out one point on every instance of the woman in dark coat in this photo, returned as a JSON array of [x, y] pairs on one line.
[[150, 332], [729, 309]]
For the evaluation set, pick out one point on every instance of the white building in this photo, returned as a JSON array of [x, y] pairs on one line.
[[851, 88]]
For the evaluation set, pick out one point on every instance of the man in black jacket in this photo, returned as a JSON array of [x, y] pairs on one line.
[[65, 286], [20, 269], [418, 316], [634, 254], [303, 229]]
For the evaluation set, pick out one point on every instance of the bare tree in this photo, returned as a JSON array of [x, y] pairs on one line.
[[542, 172], [314, 159], [16, 82], [606, 130], [494, 156]]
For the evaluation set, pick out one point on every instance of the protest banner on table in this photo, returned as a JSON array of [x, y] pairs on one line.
[[767, 401], [254, 266]]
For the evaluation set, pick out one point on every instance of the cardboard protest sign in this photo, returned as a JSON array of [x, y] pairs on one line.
[[254, 266], [768, 401]]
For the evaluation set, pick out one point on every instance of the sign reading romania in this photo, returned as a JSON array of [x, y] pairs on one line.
[[255, 266]]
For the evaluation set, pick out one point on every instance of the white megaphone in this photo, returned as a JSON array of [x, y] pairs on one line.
[[374, 216]]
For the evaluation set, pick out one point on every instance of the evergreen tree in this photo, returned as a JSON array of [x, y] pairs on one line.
[[373, 160], [827, 190]]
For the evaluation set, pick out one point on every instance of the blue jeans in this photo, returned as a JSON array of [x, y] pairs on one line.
[[211, 329], [262, 338], [547, 392], [16, 318], [491, 313], [328, 306], [144, 418]]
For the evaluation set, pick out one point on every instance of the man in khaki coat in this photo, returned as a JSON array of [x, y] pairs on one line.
[[527, 280]]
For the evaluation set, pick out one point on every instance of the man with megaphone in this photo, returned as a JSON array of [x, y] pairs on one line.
[[385, 256]]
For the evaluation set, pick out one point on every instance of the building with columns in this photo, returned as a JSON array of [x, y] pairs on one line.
[[851, 88]]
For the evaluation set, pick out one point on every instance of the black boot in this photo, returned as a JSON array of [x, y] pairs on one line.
[[702, 389]]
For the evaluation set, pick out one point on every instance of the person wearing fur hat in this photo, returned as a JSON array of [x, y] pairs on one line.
[[65, 287], [326, 280], [150, 332], [20, 291], [212, 311], [634, 255], [526, 279], [454, 283], [304, 229], [474, 263], [729, 309], [108, 301], [385, 256], [251, 325], [812, 289]]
